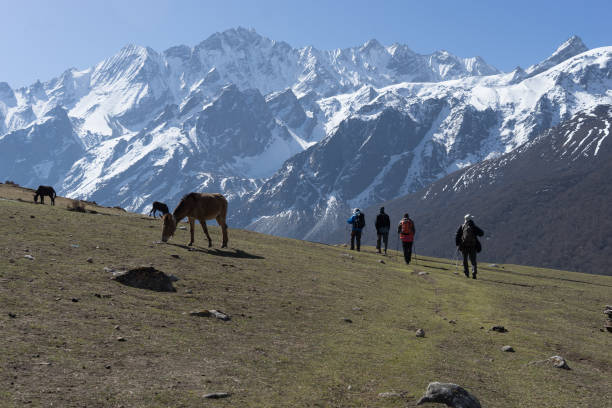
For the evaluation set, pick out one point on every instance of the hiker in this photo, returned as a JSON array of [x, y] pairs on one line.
[[383, 224], [406, 231], [358, 222], [467, 242]]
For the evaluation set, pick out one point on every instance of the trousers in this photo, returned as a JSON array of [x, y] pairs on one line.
[[407, 246]]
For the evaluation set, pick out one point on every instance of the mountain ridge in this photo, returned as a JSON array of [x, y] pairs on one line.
[[250, 117]]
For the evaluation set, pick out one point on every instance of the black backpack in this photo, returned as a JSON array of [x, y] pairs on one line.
[[468, 238], [360, 221]]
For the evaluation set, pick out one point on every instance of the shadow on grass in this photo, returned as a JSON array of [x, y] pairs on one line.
[[229, 253]]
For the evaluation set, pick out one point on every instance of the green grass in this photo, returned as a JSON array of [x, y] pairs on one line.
[[287, 343]]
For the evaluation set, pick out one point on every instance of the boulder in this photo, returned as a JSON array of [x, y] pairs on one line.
[[450, 394], [146, 277]]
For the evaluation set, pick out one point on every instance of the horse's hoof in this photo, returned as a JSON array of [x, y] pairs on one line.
[[190, 244], [224, 246], [210, 245]]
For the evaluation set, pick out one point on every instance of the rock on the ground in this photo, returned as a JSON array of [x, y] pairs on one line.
[[30, 257], [146, 278], [89, 260], [508, 349], [420, 333], [390, 394], [499, 329], [450, 394], [217, 395], [559, 362], [220, 315]]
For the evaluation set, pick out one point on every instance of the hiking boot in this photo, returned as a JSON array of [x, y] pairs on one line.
[[467, 274], [473, 276]]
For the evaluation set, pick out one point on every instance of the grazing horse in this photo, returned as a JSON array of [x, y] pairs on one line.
[[159, 206], [201, 207], [45, 191]]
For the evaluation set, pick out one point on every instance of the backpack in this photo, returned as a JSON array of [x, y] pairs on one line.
[[407, 227], [468, 237], [359, 221]]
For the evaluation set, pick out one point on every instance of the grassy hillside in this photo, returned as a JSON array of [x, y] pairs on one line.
[[288, 343]]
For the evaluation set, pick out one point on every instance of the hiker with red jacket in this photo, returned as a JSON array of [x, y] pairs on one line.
[[357, 220], [467, 242], [406, 232], [383, 225]]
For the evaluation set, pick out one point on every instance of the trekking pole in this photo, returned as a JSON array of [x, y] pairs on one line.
[[457, 261], [416, 260]]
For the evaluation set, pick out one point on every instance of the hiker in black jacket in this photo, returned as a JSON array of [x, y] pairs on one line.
[[467, 242], [383, 224]]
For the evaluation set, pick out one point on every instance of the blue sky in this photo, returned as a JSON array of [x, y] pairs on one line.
[[41, 38]]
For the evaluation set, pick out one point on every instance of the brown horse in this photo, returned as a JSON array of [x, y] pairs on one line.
[[201, 207]]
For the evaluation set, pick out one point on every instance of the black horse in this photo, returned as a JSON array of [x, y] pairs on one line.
[[45, 191], [158, 206]]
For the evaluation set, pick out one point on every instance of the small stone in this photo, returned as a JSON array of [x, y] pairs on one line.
[[116, 327], [390, 394], [175, 256], [347, 320], [31, 216], [89, 260], [183, 228], [217, 395], [11, 260], [559, 362], [107, 366], [508, 349], [499, 329], [75, 300], [452, 321], [381, 261], [220, 315], [30, 257], [357, 309], [121, 339], [189, 291], [420, 333], [12, 315], [423, 273], [74, 245]]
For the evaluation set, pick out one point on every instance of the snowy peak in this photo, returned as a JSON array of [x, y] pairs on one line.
[[567, 50]]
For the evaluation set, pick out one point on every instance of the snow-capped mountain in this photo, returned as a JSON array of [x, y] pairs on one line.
[[223, 115], [387, 142], [292, 136], [543, 204]]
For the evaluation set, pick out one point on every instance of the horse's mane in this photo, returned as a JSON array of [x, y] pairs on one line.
[[179, 208]]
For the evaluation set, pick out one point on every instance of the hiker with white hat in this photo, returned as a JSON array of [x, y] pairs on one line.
[[467, 242]]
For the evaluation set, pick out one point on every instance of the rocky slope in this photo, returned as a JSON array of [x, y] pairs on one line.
[[543, 204]]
